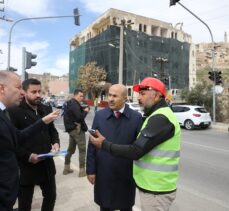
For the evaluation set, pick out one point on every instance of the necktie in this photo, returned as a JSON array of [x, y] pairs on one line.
[[117, 114], [7, 114]]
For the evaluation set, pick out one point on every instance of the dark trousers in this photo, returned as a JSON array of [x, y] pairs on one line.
[[4, 208], [25, 195], [108, 209]]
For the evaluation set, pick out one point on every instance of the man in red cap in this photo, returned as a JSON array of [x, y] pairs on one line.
[[156, 151]]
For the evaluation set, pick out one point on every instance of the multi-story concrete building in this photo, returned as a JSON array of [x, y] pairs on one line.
[[150, 47]]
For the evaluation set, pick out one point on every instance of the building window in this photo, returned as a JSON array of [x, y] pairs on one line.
[[172, 34], [145, 28], [140, 27]]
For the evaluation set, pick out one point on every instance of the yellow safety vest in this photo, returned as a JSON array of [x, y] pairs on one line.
[[157, 170]]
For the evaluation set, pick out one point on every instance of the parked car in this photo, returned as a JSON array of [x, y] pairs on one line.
[[59, 103], [49, 101], [136, 107], [190, 116]]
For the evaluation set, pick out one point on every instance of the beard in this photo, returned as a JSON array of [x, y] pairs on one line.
[[34, 102]]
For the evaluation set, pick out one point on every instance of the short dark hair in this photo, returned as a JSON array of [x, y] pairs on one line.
[[77, 91], [30, 81]]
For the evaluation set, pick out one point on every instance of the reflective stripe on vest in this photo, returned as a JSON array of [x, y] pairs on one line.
[[156, 167], [168, 154]]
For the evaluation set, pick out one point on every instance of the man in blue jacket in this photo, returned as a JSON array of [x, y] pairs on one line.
[[114, 187]]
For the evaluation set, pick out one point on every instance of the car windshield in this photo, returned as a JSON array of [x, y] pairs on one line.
[[201, 110]]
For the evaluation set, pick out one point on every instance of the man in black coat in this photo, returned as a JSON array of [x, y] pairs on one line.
[[74, 122], [11, 94], [34, 171], [114, 186]]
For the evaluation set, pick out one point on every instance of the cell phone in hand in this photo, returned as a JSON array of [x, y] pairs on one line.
[[92, 132]]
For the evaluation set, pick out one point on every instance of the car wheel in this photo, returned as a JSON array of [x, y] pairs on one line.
[[188, 124]]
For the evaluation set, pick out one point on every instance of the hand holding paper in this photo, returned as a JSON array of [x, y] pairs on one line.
[[53, 154]]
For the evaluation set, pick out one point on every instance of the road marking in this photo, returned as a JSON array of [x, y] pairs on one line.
[[204, 196], [207, 147]]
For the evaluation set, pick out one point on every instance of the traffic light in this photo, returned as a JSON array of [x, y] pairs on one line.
[[76, 16], [211, 75], [29, 60], [173, 2], [218, 78]]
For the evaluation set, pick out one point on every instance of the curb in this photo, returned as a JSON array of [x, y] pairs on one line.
[[220, 126]]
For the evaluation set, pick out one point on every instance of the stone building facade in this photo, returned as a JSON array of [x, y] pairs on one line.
[[52, 85]]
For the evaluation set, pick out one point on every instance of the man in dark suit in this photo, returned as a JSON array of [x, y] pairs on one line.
[[10, 95], [34, 171], [114, 186]]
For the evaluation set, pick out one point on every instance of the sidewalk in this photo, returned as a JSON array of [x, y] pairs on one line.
[[220, 126], [73, 193]]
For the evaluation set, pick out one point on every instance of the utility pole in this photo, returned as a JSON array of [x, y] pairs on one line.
[[123, 24], [173, 2], [23, 64], [34, 18], [170, 83], [121, 46]]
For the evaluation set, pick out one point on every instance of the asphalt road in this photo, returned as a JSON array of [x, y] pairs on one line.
[[204, 170]]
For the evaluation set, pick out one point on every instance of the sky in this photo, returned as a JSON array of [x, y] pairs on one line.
[[49, 38]]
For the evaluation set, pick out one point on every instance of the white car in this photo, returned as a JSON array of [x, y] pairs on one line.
[[190, 116], [136, 107]]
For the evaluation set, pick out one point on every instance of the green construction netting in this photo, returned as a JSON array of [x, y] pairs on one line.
[[142, 57]]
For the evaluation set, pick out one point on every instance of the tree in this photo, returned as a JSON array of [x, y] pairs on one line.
[[91, 79]]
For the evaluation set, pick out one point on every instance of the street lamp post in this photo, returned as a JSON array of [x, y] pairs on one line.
[[24, 19], [121, 46], [173, 2]]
